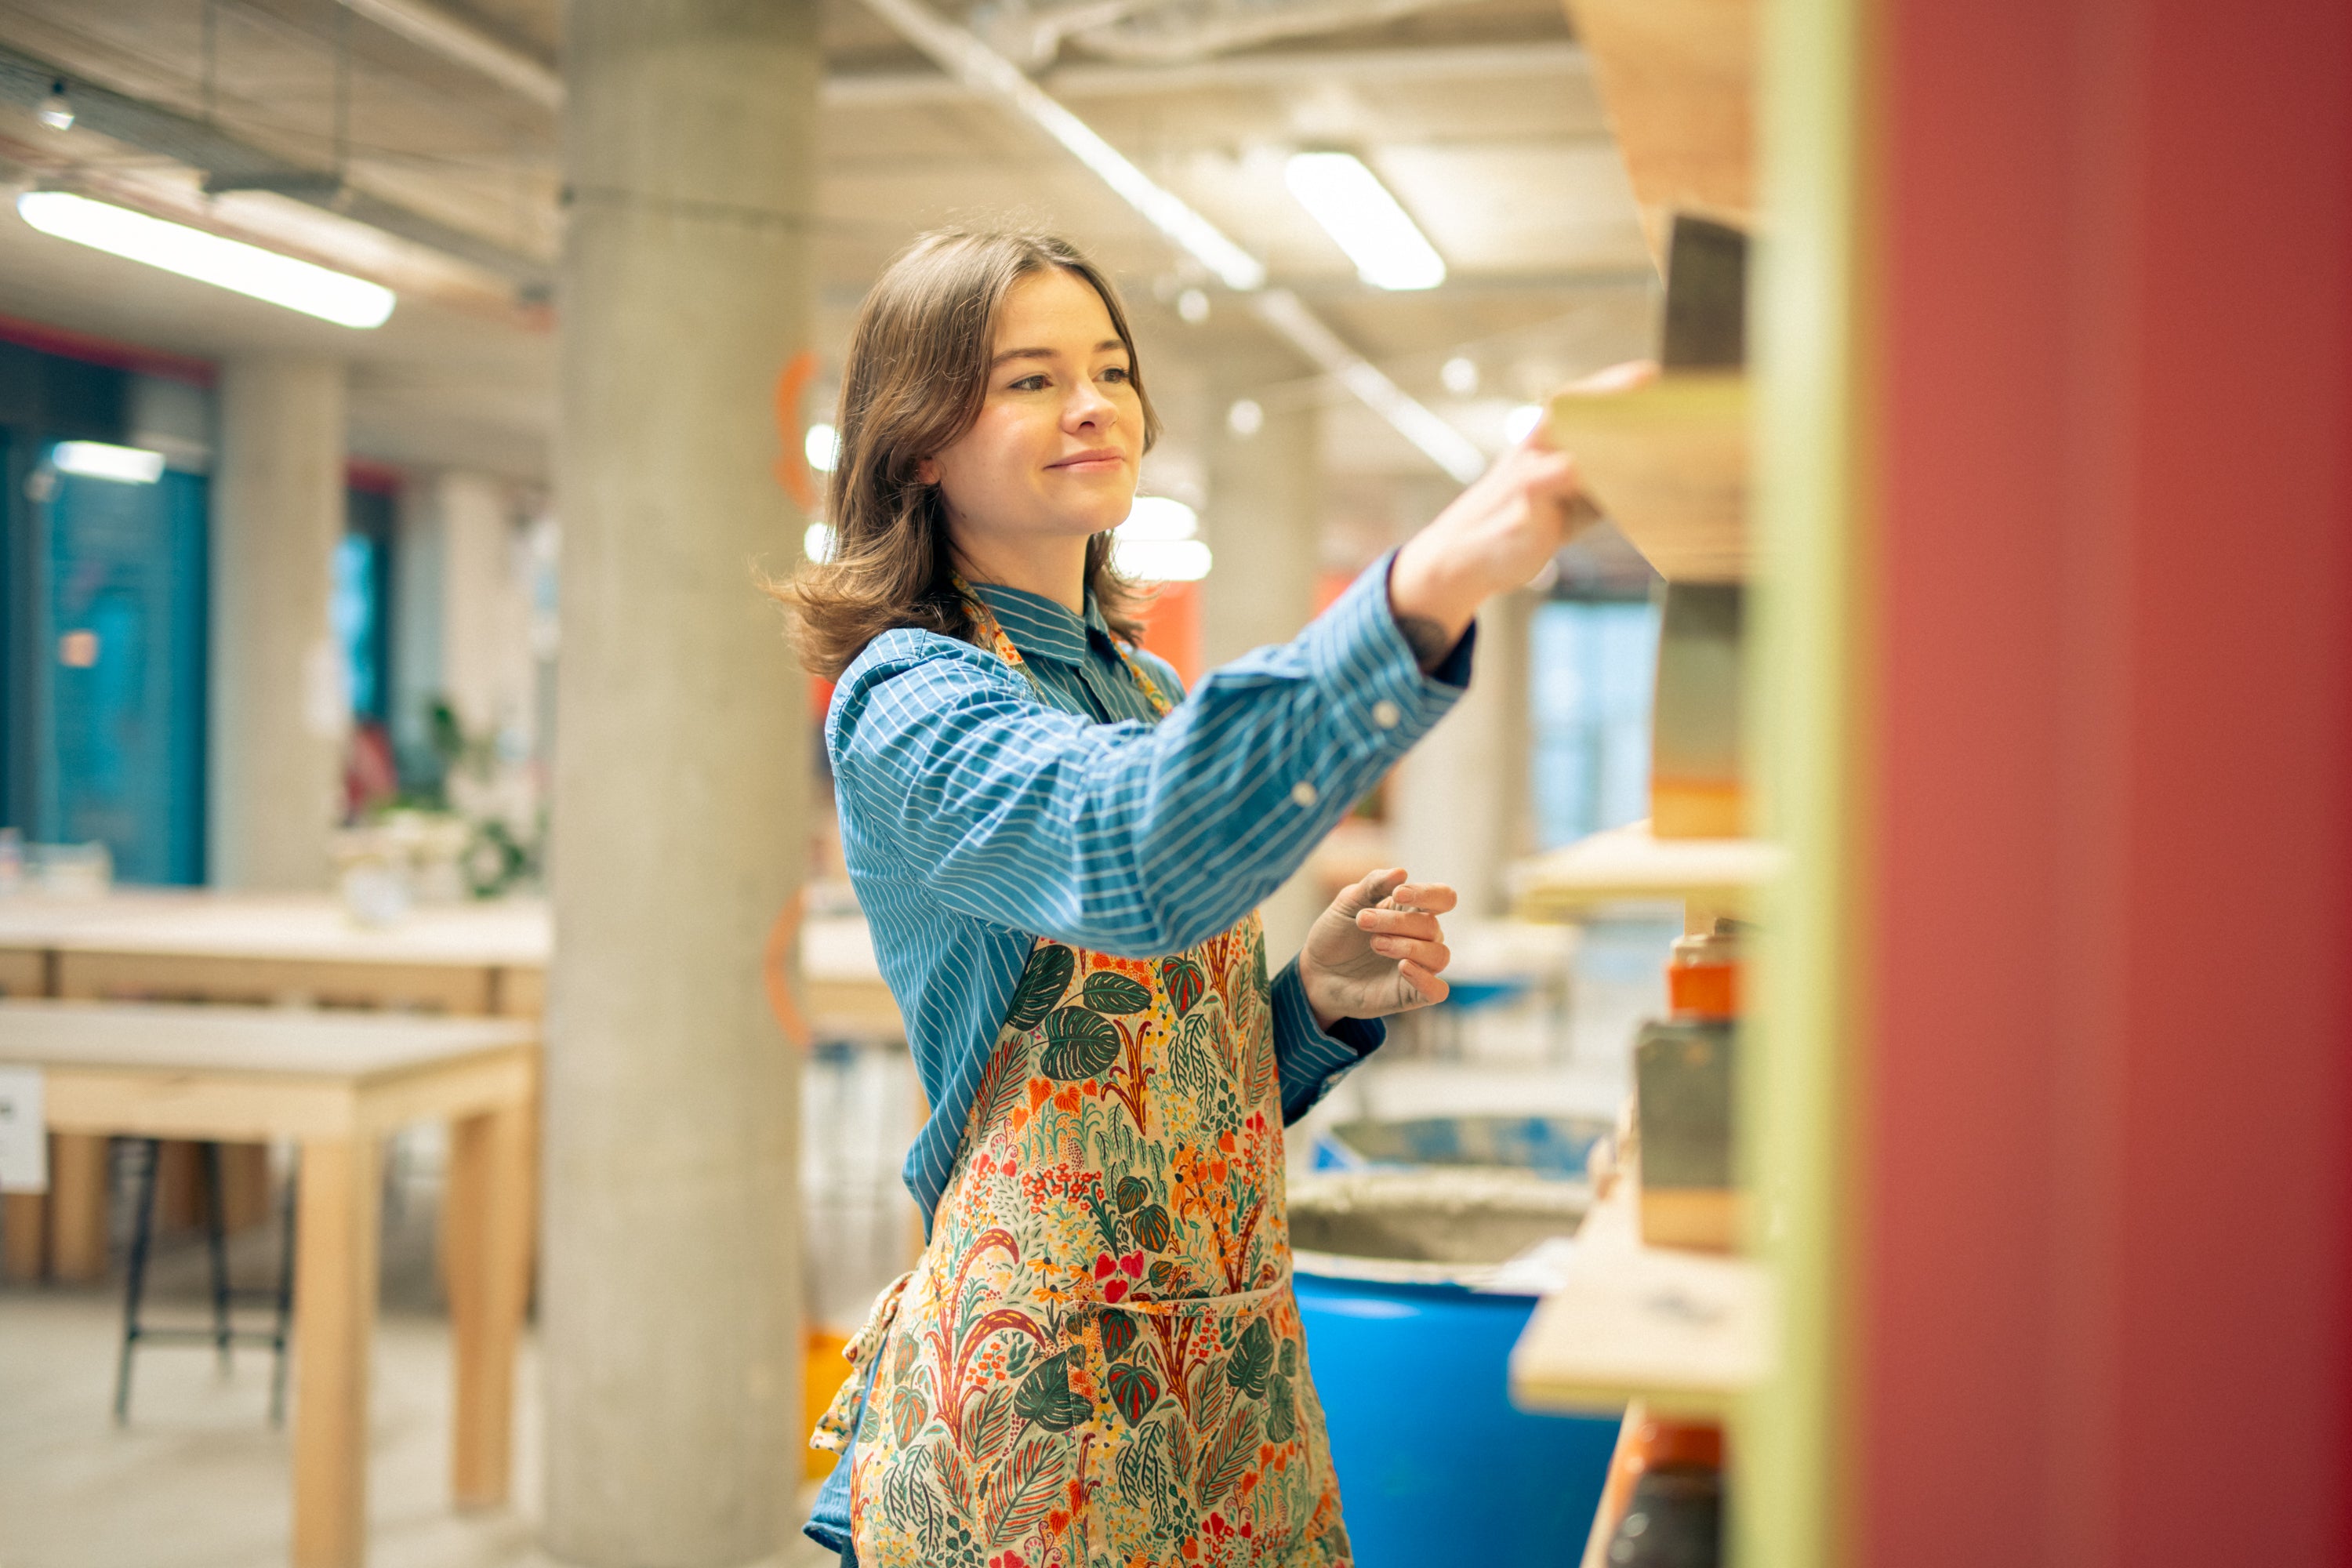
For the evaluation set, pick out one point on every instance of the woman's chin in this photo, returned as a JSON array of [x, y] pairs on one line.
[[1093, 519]]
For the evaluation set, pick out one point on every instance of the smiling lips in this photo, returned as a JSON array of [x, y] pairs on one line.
[[1088, 462]]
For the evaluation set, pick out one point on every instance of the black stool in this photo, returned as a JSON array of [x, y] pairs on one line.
[[146, 1154]]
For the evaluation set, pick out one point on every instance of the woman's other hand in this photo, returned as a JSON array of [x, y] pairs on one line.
[[1495, 536], [1378, 950]]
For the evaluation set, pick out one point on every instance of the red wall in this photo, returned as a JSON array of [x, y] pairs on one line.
[[1172, 629], [2104, 1207]]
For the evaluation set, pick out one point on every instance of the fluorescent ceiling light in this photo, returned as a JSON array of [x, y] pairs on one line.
[[208, 257], [1520, 423], [821, 447], [817, 542], [1358, 212], [98, 460], [1159, 517], [1160, 560]]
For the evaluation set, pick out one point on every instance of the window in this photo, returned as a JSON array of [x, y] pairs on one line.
[[1594, 664]]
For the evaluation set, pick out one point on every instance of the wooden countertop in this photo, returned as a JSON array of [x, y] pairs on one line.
[[516, 932], [299, 1042], [1688, 1332]]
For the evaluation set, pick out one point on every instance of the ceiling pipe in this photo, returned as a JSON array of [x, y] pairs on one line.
[[1171, 33], [1304, 329], [1383, 67], [460, 42], [962, 56]]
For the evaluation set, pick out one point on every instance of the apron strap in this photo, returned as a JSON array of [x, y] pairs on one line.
[[991, 636]]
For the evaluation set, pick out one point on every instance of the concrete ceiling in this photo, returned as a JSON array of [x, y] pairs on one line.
[[1480, 115]]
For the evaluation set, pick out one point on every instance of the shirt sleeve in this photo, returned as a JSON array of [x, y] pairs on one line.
[[1129, 838], [1310, 1059]]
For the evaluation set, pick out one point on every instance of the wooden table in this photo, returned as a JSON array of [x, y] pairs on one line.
[[197, 945], [474, 959], [336, 1082]]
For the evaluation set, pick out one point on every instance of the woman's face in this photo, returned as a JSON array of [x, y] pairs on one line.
[[1054, 451]]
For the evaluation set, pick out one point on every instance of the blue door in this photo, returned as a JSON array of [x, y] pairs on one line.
[[118, 671]]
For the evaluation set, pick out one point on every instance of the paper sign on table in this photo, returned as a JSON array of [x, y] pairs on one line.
[[24, 1135]]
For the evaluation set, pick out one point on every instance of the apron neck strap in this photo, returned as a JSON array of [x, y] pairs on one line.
[[989, 633]]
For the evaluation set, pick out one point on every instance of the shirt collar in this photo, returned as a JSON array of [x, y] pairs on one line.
[[1040, 629]]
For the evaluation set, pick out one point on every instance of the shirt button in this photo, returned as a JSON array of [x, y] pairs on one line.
[[1303, 792], [1386, 714]]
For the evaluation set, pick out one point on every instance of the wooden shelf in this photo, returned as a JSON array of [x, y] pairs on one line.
[[1677, 84], [1626, 864], [1667, 463], [1686, 1333]]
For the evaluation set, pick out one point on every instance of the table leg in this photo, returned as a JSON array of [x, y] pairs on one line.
[[23, 1233], [334, 1322], [77, 1205], [486, 1234]]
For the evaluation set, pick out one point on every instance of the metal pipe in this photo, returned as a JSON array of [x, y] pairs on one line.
[[962, 56], [1168, 35], [1385, 67], [462, 43], [981, 68], [1304, 329]]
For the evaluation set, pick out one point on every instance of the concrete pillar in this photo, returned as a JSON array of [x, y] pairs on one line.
[[1459, 804], [1263, 524], [671, 1293], [280, 702]]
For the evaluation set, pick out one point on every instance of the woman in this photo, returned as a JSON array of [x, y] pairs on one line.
[[1098, 1358]]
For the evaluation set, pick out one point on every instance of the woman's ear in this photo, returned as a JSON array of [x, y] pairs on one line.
[[927, 472]]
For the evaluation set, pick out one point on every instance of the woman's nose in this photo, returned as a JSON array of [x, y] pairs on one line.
[[1088, 406]]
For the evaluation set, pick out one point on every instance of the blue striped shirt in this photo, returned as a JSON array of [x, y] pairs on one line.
[[974, 817]]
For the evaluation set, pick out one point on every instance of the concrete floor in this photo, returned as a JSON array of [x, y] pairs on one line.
[[198, 1478]]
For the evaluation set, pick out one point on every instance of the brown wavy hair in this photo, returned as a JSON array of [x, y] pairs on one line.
[[915, 381]]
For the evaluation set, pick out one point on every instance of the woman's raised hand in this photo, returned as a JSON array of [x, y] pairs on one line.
[[1495, 536], [1377, 949]]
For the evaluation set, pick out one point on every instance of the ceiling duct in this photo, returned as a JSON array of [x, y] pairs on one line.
[[1376, 68], [1169, 32], [229, 164], [460, 42]]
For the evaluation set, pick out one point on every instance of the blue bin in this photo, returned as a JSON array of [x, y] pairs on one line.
[[1437, 1465]]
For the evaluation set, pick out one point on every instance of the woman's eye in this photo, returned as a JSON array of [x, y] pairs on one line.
[[1030, 383], [1117, 373]]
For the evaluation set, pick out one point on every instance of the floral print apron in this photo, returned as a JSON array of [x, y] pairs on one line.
[[1099, 1359]]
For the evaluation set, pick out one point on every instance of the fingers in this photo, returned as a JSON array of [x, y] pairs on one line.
[[1416, 923], [1435, 898], [1375, 887], [1432, 956], [1617, 378], [1432, 987]]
